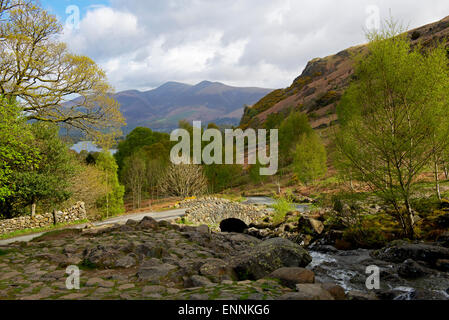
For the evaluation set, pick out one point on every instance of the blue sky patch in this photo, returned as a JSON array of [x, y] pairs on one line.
[[59, 7]]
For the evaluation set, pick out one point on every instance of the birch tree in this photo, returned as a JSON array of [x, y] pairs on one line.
[[389, 117]]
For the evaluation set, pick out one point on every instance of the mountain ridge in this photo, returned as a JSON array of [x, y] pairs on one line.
[[323, 81], [162, 108]]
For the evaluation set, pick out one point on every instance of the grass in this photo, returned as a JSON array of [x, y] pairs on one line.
[[26, 232], [329, 181], [231, 196], [184, 221], [281, 208], [58, 234]]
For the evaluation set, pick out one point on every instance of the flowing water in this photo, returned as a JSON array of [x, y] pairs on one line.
[[349, 269]]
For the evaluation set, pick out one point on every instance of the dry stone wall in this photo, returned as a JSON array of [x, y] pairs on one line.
[[73, 214], [212, 211]]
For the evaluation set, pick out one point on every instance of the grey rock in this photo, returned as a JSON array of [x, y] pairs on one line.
[[409, 269], [92, 282], [203, 229], [217, 269], [148, 223], [290, 277], [269, 256], [155, 273], [197, 281], [125, 262], [419, 252]]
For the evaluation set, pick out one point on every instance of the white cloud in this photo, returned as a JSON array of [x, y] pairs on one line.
[[142, 44], [105, 33]]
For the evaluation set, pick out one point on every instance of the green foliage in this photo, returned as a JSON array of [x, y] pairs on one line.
[[16, 150], [45, 182], [112, 203], [290, 131], [143, 170], [274, 121], [390, 114], [254, 173], [369, 238], [56, 164], [282, 206], [270, 100], [310, 158], [222, 176], [264, 104], [137, 139], [327, 99]]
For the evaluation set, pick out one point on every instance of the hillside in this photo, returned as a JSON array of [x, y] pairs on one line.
[[162, 108], [319, 88]]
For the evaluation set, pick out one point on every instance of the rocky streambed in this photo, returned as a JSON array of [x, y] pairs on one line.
[[161, 260], [408, 271], [406, 280]]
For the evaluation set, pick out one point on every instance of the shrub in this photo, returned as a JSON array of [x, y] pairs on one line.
[[282, 206]]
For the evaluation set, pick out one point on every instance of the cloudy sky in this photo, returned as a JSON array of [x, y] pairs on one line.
[[144, 43]]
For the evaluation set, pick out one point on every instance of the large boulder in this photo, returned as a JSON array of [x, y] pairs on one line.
[[400, 252], [410, 269], [335, 290], [290, 277], [317, 225], [269, 256], [100, 257], [148, 223]]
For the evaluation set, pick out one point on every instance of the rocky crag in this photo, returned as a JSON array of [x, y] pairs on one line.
[[319, 88]]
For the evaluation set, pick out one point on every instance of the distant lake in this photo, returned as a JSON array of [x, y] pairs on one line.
[[88, 146]]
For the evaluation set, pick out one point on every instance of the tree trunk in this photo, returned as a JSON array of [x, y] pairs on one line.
[[437, 181], [139, 204], [107, 195], [410, 220], [55, 220], [33, 209], [351, 183], [446, 172]]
